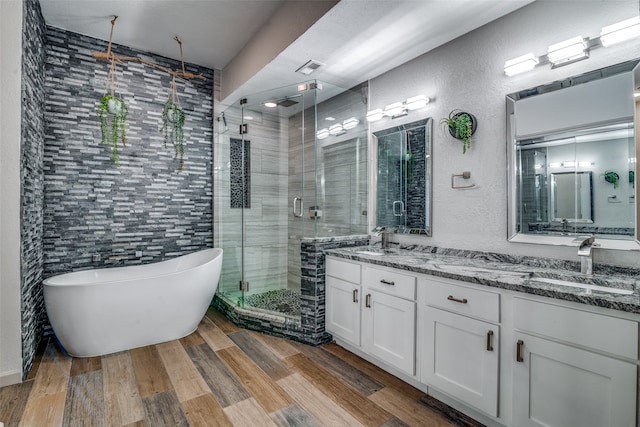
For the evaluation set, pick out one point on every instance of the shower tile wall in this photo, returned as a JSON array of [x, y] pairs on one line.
[[265, 221], [95, 209], [31, 174]]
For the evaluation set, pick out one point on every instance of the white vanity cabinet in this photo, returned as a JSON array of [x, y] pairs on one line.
[[572, 367], [343, 295], [389, 317], [460, 341], [373, 309]]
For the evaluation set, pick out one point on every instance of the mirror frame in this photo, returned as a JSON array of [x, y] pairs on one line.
[[373, 188], [512, 178]]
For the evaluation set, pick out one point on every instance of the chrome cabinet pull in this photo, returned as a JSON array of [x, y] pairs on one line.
[[489, 340], [386, 282], [367, 301], [519, 345], [454, 299], [355, 295]]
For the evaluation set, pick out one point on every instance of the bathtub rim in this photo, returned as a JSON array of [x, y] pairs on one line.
[[47, 282]]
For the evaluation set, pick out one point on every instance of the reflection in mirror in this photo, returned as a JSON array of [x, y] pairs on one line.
[[572, 159], [571, 197], [403, 190]]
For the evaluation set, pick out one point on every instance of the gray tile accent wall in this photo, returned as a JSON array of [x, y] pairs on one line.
[[31, 174], [95, 209]]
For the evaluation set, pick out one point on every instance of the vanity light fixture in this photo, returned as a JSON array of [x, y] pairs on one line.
[[632, 160], [322, 133], [395, 110], [568, 51], [350, 123], [621, 31], [399, 109], [375, 115], [416, 102], [572, 164], [520, 64], [336, 129]]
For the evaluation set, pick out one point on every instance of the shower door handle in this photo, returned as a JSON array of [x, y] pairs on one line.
[[297, 201], [400, 205]]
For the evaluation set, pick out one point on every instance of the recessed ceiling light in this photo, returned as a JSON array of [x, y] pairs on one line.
[[270, 104], [329, 119]]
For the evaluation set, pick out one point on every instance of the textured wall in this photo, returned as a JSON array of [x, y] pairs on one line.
[[31, 176], [91, 206], [468, 74]]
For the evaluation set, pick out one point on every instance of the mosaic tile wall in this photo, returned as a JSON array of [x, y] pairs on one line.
[[31, 174], [240, 173], [99, 215]]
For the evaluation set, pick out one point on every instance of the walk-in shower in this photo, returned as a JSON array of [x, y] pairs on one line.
[[290, 178]]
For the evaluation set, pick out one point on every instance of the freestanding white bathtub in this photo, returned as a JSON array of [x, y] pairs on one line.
[[97, 312]]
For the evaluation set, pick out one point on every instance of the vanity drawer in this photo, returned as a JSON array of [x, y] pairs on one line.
[[450, 295], [583, 328], [344, 270], [389, 282]]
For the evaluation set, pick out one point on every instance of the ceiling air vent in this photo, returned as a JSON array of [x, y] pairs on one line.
[[309, 67]]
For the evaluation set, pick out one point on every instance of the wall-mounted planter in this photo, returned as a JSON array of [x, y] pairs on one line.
[[462, 126]]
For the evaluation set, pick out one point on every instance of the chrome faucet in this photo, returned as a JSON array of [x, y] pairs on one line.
[[585, 252], [382, 231]]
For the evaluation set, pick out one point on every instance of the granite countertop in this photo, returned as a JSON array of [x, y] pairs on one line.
[[520, 274]]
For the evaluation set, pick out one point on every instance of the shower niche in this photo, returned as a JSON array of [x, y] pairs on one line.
[[290, 179]]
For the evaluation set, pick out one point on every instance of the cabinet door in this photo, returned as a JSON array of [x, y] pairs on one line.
[[460, 357], [556, 385], [388, 329], [343, 309]]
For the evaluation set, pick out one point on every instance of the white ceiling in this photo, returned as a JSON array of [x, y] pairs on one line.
[[356, 39]]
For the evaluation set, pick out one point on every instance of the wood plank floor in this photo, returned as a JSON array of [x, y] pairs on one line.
[[218, 376]]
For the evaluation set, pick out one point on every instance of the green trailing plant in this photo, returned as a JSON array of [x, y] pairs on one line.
[[173, 126], [112, 113], [460, 126]]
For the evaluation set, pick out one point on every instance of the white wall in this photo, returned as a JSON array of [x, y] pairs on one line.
[[10, 119], [467, 74]]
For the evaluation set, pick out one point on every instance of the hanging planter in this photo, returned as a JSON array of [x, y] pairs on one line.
[[612, 178], [112, 113], [172, 125], [462, 126]]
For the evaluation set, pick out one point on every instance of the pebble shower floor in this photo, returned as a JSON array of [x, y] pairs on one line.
[[283, 301]]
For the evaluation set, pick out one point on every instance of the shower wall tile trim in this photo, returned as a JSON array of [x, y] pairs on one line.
[[31, 174], [94, 209]]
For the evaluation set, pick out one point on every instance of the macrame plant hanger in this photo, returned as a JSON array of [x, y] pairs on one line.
[[108, 55]]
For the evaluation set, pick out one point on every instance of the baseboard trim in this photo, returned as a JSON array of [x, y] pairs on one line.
[[10, 378]]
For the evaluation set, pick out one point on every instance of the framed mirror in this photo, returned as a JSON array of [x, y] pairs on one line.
[[572, 159], [403, 178]]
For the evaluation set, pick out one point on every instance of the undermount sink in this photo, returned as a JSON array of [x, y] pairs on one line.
[[369, 253], [589, 288]]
